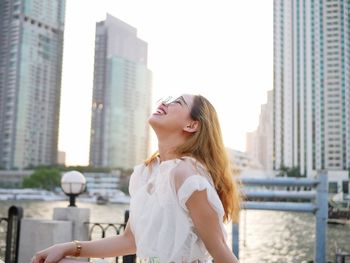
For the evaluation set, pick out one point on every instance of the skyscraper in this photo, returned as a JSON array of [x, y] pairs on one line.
[[31, 44], [121, 97], [259, 142], [312, 84]]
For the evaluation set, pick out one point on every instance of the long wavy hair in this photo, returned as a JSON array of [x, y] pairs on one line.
[[206, 146]]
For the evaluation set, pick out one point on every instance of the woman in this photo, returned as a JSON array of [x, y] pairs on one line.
[[180, 197]]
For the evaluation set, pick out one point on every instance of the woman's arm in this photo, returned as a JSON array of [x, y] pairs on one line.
[[206, 222], [119, 245]]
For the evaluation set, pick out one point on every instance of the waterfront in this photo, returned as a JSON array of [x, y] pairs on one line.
[[265, 236]]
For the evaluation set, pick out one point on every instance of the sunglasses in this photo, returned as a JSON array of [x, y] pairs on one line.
[[169, 100]]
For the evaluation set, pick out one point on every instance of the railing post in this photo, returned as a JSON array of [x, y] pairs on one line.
[[129, 258], [321, 218], [339, 258], [15, 215], [235, 239]]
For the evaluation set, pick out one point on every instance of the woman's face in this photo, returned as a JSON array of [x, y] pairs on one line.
[[173, 115]]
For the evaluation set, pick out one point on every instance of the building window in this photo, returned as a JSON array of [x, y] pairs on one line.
[[333, 187]]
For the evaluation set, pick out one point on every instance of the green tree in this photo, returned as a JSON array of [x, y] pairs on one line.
[[294, 172], [284, 170], [289, 172], [43, 178]]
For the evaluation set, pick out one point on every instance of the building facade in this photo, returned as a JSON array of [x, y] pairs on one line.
[[31, 46], [311, 85], [259, 143], [121, 97]]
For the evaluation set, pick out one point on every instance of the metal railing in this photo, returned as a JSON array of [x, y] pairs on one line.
[[118, 228], [314, 201], [13, 221]]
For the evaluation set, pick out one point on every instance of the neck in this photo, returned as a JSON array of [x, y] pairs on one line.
[[167, 146]]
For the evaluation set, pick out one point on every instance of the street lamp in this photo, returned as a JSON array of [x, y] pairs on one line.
[[73, 184]]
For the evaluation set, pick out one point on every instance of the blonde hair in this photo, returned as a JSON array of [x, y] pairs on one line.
[[206, 146]]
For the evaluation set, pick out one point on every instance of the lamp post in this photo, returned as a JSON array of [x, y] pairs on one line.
[[73, 184]]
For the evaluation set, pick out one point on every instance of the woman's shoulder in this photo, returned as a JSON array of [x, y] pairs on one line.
[[137, 178], [187, 167], [139, 168]]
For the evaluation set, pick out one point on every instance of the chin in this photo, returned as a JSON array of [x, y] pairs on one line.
[[152, 120], [155, 123]]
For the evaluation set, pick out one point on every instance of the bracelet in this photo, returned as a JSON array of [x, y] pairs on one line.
[[78, 248]]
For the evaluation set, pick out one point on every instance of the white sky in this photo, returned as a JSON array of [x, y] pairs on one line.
[[222, 49]]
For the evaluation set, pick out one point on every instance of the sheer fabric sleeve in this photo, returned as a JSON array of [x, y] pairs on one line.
[[137, 179], [199, 183]]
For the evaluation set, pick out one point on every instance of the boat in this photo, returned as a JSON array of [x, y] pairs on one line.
[[339, 209], [101, 200], [119, 197], [338, 221], [87, 199], [114, 197]]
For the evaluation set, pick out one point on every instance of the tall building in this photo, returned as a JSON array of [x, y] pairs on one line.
[[31, 46], [251, 147], [259, 143], [121, 97], [312, 85]]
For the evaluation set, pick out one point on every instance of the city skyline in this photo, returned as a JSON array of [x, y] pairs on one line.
[[220, 52]]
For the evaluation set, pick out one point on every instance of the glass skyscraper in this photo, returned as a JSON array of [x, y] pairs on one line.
[[121, 97], [312, 85], [31, 44]]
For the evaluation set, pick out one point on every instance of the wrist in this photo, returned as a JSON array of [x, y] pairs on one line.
[[69, 249], [78, 248]]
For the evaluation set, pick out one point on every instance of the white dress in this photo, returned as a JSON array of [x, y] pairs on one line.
[[159, 219]]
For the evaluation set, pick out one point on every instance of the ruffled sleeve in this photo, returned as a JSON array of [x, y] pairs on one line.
[[199, 183]]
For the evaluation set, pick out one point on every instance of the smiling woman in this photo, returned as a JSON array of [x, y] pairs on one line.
[[176, 110], [180, 197]]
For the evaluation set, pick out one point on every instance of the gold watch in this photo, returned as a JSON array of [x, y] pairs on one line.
[[78, 248]]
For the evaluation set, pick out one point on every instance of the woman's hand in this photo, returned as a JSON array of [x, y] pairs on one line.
[[119, 245], [53, 254]]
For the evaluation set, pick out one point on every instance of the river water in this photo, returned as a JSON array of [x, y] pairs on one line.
[[265, 236]]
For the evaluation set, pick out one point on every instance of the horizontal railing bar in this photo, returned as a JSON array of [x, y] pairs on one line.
[[103, 223], [280, 206], [279, 181], [280, 194]]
